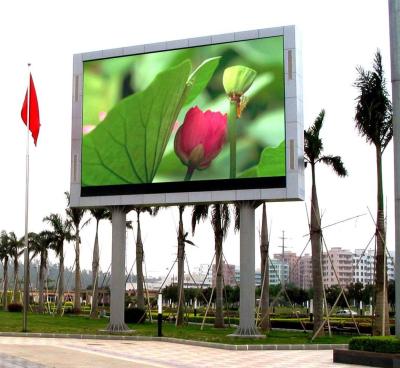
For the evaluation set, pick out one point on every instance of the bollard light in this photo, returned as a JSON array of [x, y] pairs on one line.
[[159, 303], [159, 317], [311, 310]]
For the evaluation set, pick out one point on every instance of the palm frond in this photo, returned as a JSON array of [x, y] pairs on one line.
[[318, 122], [225, 219], [236, 211], [373, 116], [199, 212], [336, 163], [313, 146], [99, 213]]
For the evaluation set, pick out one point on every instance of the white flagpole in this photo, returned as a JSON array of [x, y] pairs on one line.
[[26, 250]]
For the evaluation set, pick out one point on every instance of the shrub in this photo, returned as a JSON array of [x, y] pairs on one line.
[[135, 315], [14, 307], [378, 344], [68, 307]]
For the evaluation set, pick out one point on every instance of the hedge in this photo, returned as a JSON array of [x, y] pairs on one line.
[[135, 315], [377, 344], [14, 307]]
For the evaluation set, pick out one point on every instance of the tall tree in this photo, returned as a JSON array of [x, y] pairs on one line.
[[60, 232], [4, 257], [313, 149], [264, 252], [99, 214], [140, 254], [181, 267], [374, 122], [15, 245], [220, 220], [39, 245], [75, 215]]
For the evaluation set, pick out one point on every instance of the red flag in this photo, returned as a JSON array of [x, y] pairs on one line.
[[34, 119]]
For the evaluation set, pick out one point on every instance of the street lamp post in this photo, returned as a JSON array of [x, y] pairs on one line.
[[394, 25]]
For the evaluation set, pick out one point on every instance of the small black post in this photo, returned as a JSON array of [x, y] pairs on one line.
[[159, 323]]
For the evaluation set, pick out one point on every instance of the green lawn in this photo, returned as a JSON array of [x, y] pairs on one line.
[[72, 324]]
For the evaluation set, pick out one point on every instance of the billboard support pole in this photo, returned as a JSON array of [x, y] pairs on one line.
[[394, 25], [247, 326], [117, 302]]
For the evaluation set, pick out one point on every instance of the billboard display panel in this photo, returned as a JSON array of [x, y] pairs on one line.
[[184, 117]]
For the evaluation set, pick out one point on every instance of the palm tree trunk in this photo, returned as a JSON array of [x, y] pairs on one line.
[[95, 273], [181, 268], [264, 249], [5, 283], [381, 325], [15, 279], [77, 297], [139, 266], [315, 235], [42, 270], [219, 290], [60, 300]]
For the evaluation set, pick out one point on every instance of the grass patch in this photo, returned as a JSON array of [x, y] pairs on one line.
[[73, 324]]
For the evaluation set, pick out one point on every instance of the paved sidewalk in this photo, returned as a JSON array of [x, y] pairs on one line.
[[62, 353]]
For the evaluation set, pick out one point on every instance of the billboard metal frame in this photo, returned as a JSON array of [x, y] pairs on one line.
[[294, 189]]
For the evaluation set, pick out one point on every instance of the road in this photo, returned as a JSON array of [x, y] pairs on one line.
[[29, 352]]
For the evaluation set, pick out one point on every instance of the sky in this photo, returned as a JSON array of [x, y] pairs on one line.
[[336, 38]]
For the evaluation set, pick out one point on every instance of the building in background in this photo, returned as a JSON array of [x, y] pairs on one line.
[[305, 272], [228, 274], [350, 266], [277, 271], [364, 266], [341, 261], [292, 260]]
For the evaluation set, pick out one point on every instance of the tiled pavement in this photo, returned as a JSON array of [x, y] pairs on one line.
[[28, 352]]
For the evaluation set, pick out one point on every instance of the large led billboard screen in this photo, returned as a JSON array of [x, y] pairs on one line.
[[178, 121]]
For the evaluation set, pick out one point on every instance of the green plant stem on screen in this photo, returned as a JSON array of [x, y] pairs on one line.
[[232, 138], [189, 173]]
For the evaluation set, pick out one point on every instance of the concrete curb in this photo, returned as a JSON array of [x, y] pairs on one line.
[[179, 341]]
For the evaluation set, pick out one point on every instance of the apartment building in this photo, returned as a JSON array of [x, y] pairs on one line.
[[292, 260], [305, 272], [341, 261], [364, 266]]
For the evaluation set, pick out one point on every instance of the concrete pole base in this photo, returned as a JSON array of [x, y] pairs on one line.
[[250, 332], [118, 328]]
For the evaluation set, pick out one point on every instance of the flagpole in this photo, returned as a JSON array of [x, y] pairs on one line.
[[26, 250]]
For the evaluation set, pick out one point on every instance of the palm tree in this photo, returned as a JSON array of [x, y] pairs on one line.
[[99, 214], [59, 233], [264, 252], [181, 267], [140, 254], [14, 245], [313, 149], [374, 122], [39, 245], [75, 215], [220, 220], [182, 240], [4, 256]]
